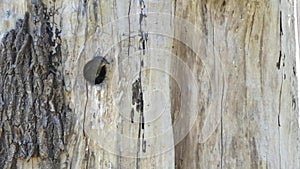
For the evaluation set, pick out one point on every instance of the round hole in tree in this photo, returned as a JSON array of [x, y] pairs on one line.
[[94, 71]]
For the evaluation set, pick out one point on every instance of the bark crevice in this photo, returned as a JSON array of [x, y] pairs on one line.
[[32, 90]]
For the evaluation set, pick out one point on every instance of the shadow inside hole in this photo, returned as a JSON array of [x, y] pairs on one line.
[[100, 76]]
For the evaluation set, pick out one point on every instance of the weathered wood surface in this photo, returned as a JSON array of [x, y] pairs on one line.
[[190, 84]]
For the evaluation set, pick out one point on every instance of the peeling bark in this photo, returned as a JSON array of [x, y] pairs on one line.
[[33, 110]]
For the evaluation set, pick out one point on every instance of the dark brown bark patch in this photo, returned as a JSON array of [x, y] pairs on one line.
[[33, 115]]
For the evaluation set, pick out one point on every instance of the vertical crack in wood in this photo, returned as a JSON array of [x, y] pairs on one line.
[[281, 84], [85, 109], [137, 96], [278, 64], [222, 130], [279, 103], [278, 119], [129, 8], [260, 54], [129, 28], [137, 99]]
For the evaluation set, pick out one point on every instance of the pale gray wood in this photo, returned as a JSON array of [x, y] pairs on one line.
[[217, 93]]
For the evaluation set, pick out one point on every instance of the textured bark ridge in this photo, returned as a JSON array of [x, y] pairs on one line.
[[31, 94]]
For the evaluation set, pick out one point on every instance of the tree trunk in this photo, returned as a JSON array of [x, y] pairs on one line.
[[187, 84]]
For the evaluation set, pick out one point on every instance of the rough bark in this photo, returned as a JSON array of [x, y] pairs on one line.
[[189, 84], [34, 119]]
